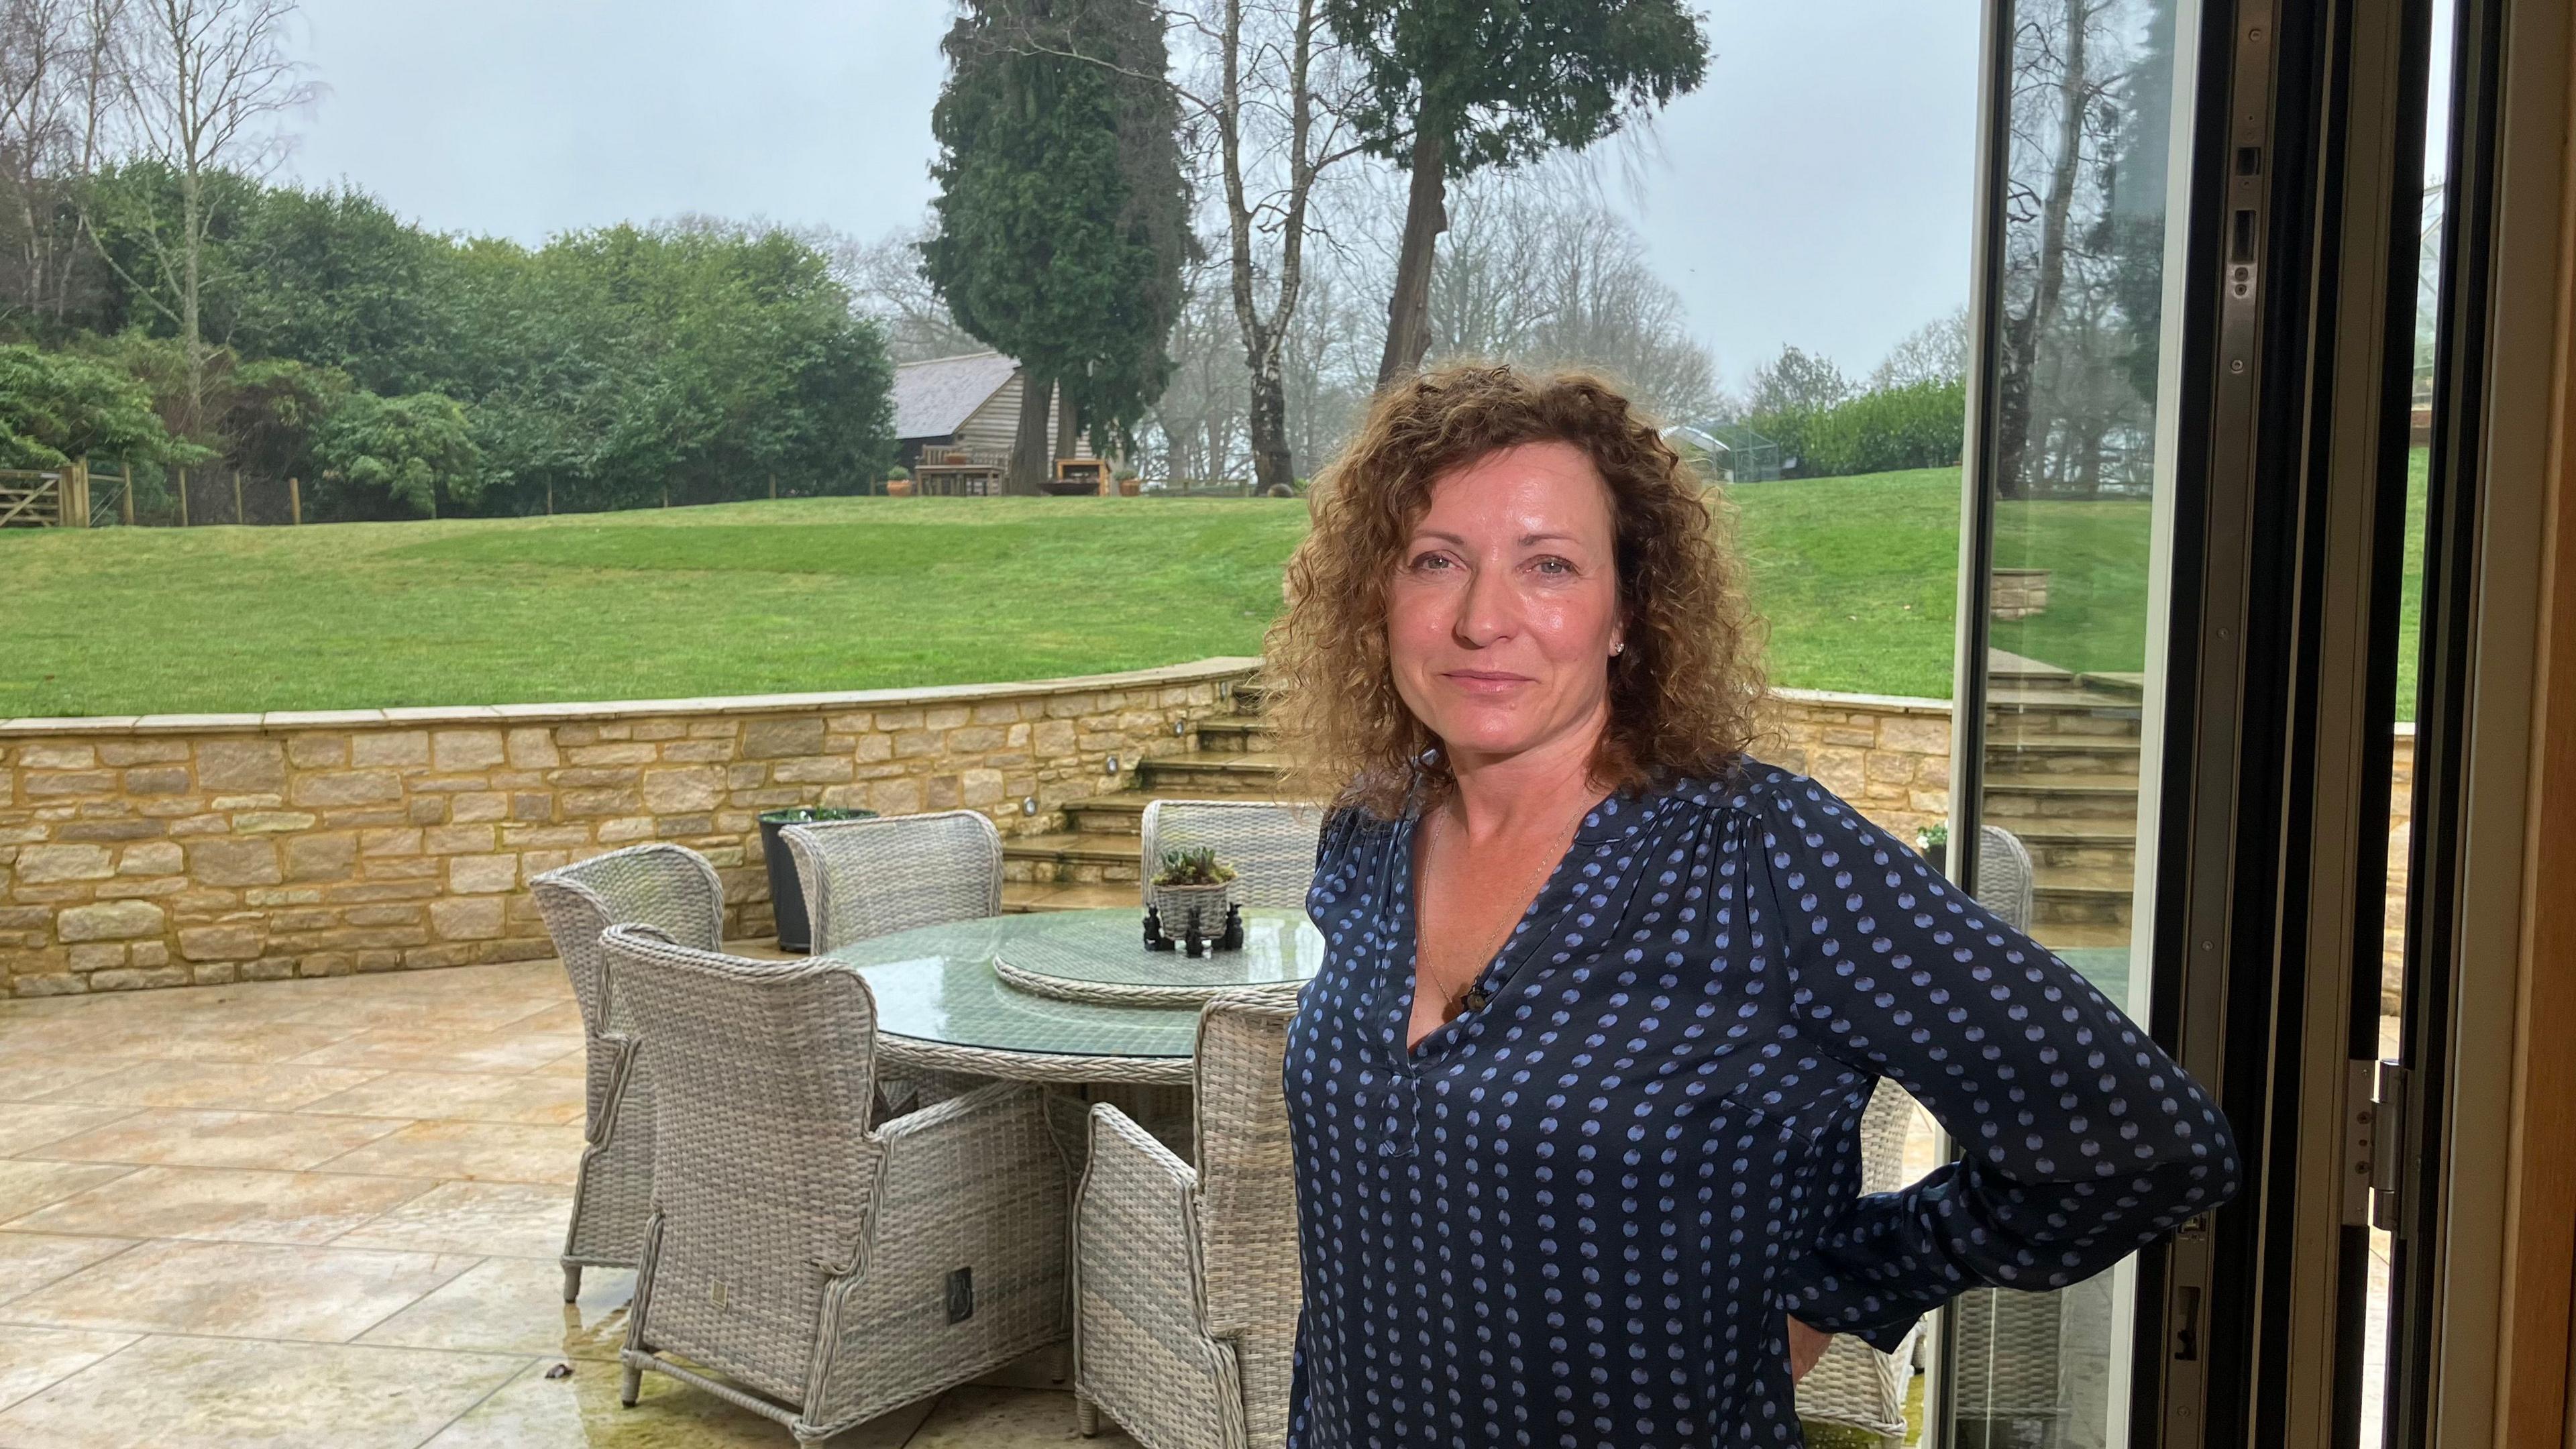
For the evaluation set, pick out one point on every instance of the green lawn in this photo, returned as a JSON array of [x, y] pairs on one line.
[[1855, 575]]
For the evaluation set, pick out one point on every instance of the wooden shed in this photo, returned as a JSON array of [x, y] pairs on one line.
[[966, 405]]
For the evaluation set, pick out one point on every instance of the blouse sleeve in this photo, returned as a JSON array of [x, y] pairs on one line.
[[2080, 1140]]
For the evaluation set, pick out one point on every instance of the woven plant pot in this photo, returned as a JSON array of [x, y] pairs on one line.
[[1192, 909]]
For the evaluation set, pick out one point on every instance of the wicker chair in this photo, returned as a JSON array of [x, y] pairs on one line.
[[1855, 1385], [1185, 1280], [805, 1259], [1270, 844], [668, 886], [2004, 876], [865, 878]]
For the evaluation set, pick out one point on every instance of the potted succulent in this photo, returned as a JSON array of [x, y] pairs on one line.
[[1933, 841], [786, 896], [898, 483], [1190, 890]]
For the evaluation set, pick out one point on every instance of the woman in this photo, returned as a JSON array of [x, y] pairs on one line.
[[1576, 1095]]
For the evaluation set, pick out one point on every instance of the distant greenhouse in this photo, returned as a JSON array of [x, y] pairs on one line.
[[1733, 452]]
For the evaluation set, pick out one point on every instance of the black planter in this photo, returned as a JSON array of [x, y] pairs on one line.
[[1934, 855], [786, 897]]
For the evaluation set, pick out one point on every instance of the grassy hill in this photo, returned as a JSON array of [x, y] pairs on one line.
[[1856, 575]]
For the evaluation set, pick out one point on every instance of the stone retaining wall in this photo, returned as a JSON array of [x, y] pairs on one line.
[[171, 850]]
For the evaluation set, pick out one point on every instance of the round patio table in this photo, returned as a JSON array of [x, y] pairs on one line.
[[1062, 996]]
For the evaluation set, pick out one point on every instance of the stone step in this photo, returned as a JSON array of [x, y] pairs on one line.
[[1071, 857], [1242, 772], [2021, 795], [1123, 813], [1032, 897], [2075, 935], [2105, 755], [2091, 842], [2093, 896], [1236, 735]]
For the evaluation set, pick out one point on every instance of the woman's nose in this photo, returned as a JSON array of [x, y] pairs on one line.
[[1487, 610]]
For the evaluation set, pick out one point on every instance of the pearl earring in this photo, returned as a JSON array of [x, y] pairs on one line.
[[1618, 644]]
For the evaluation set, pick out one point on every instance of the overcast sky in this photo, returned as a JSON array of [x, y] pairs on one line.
[[1814, 191]]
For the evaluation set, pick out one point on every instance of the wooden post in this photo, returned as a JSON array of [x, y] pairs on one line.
[[75, 494], [666, 494], [183, 498], [237, 501], [295, 500], [773, 485], [550, 497], [125, 497]]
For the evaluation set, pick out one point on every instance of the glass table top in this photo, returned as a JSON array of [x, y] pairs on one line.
[[940, 983]]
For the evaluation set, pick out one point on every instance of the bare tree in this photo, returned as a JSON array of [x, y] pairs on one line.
[[203, 84], [885, 282], [1937, 351], [54, 84]]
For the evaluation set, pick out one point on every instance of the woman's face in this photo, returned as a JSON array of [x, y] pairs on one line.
[[1505, 605]]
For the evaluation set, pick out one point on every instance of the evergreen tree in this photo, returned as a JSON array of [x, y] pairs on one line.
[[1455, 86], [1063, 218]]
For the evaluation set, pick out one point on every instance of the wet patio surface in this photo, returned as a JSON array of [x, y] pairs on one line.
[[326, 1213]]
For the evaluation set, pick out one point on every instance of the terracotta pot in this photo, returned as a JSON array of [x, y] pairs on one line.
[[1128, 487], [898, 488]]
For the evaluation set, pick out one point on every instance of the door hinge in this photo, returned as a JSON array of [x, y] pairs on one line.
[[2374, 1144]]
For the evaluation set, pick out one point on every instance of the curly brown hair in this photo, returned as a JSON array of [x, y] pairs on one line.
[[1682, 693]]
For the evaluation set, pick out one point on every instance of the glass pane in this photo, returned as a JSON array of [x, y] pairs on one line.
[[2073, 476]]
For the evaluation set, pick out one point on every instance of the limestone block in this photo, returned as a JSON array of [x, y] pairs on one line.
[[997, 712], [456, 839], [819, 770], [58, 757], [626, 830], [454, 752], [57, 784], [97, 956], [532, 748], [1051, 738], [975, 740], [1839, 770], [143, 752], [390, 840], [532, 807], [895, 797], [332, 856], [271, 822], [477, 807], [941, 792], [149, 953], [346, 787], [241, 765], [246, 802], [135, 889], [109, 921], [201, 825], [42, 863], [137, 980], [231, 861], [895, 721], [394, 749], [473, 919], [151, 857], [773, 739], [318, 752], [1923, 734], [475, 875], [1894, 765], [230, 941], [683, 788], [593, 804], [426, 810], [624, 752], [981, 788], [698, 752], [157, 780]]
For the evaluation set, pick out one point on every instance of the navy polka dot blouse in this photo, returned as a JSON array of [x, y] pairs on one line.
[[1581, 1214]]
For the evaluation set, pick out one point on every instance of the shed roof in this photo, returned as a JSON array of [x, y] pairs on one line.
[[933, 399]]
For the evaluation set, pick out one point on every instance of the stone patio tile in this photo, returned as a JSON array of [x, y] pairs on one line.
[[29, 1261], [471, 1013], [31, 1125], [546, 1101], [35, 1358], [582, 1412], [26, 1083], [224, 1205], [185, 1137], [980, 1417], [399, 1049], [509, 1219], [238, 1290], [248, 1086], [471, 1152], [515, 1305], [225, 1042], [165, 1392], [26, 1186]]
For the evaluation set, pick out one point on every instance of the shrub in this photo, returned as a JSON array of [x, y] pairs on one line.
[[1913, 425]]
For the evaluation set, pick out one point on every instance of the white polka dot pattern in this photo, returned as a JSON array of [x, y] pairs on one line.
[[1581, 1214]]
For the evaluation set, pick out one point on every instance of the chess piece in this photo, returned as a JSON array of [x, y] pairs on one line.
[[1232, 937], [1155, 940]]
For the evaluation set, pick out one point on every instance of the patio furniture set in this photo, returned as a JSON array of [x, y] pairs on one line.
[[852, 1181]]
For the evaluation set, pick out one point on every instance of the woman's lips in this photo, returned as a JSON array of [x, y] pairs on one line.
[[1479, 681]]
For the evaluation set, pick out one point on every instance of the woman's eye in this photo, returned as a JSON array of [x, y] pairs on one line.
[[1552, 566], [1430, 561]]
